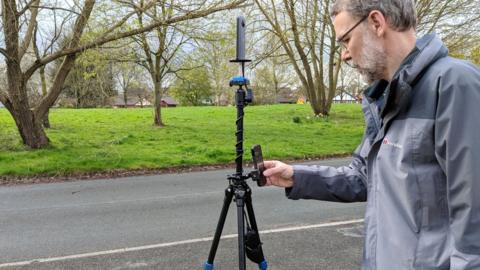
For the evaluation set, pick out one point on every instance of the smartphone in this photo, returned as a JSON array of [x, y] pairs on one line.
[[257, 159]]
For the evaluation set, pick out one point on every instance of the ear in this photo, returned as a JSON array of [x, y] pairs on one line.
[[377, 22]]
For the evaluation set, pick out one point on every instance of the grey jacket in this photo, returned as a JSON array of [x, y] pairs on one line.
[[418, 166]]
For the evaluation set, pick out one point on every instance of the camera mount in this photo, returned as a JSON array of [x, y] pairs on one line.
[[249, 244]]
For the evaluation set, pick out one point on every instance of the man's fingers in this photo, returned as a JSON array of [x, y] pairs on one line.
[[269, 163], [269, 166], [273, 171], [269, 182]]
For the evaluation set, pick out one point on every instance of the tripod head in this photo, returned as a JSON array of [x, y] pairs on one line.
[[241, 81]]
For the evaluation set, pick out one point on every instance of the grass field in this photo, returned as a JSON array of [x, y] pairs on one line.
[[106, 139]]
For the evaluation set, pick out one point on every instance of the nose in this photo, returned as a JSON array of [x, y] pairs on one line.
[[346, 55]]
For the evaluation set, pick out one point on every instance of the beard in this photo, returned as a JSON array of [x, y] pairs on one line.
[[372, 61]]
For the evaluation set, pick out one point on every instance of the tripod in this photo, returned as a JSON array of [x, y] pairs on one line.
[[248, 238]]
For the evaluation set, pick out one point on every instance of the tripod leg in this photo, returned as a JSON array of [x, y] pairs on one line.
[[240, 200], [218, 232], [256, 249]]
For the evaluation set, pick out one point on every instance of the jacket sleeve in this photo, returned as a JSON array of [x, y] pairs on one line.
[[343, 184], [457, 148]]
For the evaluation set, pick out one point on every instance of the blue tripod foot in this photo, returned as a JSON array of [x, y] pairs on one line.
[[263, 265], [210, 266]]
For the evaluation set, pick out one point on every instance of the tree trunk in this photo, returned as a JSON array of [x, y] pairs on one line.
[[316, 108], [158, 105], [125, 97], [29, 127], [31, 131], [28, 119], [45, 120]]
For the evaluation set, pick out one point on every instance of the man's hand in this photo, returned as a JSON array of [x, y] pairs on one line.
[[278, 173]]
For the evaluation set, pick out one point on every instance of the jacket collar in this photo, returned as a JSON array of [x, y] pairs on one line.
[[398, 92], [428, 49]]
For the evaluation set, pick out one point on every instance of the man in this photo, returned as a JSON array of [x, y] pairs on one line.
[[418, 165]]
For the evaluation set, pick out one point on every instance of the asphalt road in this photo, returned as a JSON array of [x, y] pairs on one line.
[[165, 222]]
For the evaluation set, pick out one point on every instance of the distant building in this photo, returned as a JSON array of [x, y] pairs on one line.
[[137, 102], [287, 96], [223, 100], [345, 98], [132, 102], [169, 102]]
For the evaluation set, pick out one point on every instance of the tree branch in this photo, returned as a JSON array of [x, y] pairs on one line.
[[175, 50], [57, 32], [4, 52], [26, 7], [148, 63], [124, 19], [31, 26], [108, 38], [3, 96], [56, 8], [5, 100], [176, 71], [67, 63]]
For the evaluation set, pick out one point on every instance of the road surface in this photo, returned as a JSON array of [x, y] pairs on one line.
[[166, 222]]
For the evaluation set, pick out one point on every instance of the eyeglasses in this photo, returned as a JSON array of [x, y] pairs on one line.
[[341, 40]]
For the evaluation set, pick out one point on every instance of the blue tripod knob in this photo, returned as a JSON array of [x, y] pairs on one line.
[[263, 265], [239, 80], [208, 266]]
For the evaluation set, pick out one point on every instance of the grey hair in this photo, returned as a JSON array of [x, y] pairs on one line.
[[400, 14]]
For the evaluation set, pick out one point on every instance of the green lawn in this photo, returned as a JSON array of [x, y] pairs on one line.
[[104, 139]]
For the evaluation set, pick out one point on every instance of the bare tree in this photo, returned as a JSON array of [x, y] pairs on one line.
[[215, 49], [273, 70], [19, 20], [91, 81], [45, 120], [163, 49], [305, 32], [127, 73], [141, 92], [159, 49], [447, 16], [457, 21]]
